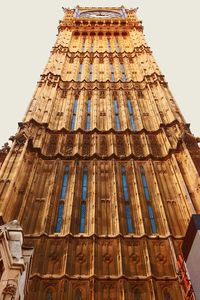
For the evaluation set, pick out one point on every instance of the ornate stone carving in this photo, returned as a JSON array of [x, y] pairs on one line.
[[52, 144], [121, 149], [107, 258], [10, 289], [5, 149], [81, 258], [154, 144], [86, 145], [22, 135], [103, 145], [69, 144], [137, 145]]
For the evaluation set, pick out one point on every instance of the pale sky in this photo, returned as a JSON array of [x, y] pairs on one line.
[[28, 31]]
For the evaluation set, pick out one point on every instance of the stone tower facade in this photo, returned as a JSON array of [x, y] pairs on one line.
[[103, 174]]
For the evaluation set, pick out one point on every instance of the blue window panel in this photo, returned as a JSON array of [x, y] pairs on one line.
[[75, 105], [123, 77], [88, 114], [88, 106], [128, 218], [82, 217], [79, 77], [123, 72], [84, 184], [59, 218], [88, 122], [122, 68], [112, 72], [132, 122], [111, 68], [74, 114], [153, 226], [145, 187], [147, 196], [150, 211], [152, 219], [125, 186], [115, 107], [129, 106], [117, 121], [64, 184], [73, 122]]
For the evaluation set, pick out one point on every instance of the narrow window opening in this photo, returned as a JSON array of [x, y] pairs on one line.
[[90, 72], [83, 46], [117, 45], [127, 203], [74, 114], [117, 121], [80, 72], [92, 45], [62, 198], [131, 114], [88, 114], [112, 72], [83, 198], [123, 72], [109, 47], [148, 200]]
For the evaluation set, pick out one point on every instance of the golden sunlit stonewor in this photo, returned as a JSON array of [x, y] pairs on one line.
[[103, 174]]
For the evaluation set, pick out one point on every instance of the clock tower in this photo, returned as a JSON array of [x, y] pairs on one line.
[[103, 173]]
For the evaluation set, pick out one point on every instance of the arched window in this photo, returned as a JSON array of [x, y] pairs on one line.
[[78, 295], [148, 200], [83, 199], [126, 199], [62, 198], [137, 294], [49, 295]]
